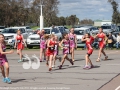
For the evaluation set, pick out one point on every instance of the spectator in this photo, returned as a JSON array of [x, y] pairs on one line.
[[110, 41], [118, 41]]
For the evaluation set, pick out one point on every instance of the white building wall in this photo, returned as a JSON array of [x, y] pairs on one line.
[[106, 23]]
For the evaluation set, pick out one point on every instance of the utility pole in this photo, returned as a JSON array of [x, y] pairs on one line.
[[41, 16]]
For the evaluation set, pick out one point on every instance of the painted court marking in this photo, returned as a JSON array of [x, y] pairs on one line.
[[118, 88]]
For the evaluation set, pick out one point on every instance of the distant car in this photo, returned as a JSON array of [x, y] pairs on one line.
[[93, 29], [11, 33], [27, 29], [61, 29], [117, 31], [77, 26], [1, 28], [34, 39], [80, 32], [66, 29], [109, 28]]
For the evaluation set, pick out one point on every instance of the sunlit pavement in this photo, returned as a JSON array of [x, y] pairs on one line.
[[68, 78]]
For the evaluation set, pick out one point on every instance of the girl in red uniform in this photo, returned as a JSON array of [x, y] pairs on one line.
[[50, 50], [65, 45], [88, 39], [102, 42], [19, 44]]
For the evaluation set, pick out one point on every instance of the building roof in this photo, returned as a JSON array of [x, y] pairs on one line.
[[102, 21]]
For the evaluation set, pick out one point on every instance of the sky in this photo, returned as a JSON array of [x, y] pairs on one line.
[[87, 9]]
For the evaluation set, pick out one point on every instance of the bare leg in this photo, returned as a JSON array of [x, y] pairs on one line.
[[7, 69], [87, 60], [41, 51], [70, 60], [63, 60], [103, 52], [90, 61], [99, 55], [20, 53], [47, 60], [2, 70], [50, 63], [72, 54], [54, 59], [44, 54]]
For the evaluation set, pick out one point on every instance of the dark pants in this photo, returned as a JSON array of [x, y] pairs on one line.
[[110, 45]]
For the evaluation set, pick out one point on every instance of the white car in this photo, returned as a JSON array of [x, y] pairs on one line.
[[80, 32], [10, 34], [34, 39], [1, 28], [27, 29]]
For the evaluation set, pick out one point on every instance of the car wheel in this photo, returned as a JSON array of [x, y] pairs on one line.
[[30, 47]]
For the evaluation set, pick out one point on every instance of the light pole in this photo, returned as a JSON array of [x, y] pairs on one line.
[[41, 17]]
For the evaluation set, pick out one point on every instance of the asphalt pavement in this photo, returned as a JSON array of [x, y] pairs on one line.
[[105, 75]]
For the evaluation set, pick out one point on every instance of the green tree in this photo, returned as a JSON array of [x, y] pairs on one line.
[[115, 16]]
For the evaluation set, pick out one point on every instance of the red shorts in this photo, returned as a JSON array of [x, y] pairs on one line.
[[90, 52], [20, 46], [48, 53], [101, 45]]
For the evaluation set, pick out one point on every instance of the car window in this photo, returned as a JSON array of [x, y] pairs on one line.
[[87, 31], [55, 30], [119, 28], [62, 30], [9, 31], [106, 27], [2, 27], [47, 31], [22, 30], [79, 32], [28, 28], [65, 28]]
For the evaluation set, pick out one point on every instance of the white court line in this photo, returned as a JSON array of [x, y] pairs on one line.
[[117, 88]]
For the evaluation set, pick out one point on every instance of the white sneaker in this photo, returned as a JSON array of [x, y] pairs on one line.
[[53, 66], [98, 60]]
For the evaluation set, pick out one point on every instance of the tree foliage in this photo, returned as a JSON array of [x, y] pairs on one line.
[[21, 12], [116, 14]]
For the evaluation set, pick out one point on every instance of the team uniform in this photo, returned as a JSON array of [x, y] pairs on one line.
[[66, 43], [50, 50], [3, 58], [72, 40], [20, 45], [42, 42], [56, 48], [101, 40], [89, 47]]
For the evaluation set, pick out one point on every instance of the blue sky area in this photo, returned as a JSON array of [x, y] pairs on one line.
[[86, 9]]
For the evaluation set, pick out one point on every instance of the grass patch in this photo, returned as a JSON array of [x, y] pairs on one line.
[[35, 27]]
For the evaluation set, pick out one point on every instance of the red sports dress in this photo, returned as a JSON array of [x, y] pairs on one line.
[[50, 50], [101, 40], [20, 45], [89, 47]]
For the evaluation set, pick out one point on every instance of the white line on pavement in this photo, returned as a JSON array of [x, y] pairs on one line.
[[117, 88]]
